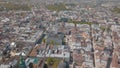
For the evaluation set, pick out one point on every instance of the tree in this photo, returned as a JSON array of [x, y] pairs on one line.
[[3, 59], [52, 43], [45, 66], [55, 65], [31, 65], [44, 41], [50, 61]]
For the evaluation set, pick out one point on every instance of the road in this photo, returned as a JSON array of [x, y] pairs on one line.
[[110, 58], [91, 31]]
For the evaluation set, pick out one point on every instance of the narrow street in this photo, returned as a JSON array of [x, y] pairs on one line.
[[92, 44], [110, 59]]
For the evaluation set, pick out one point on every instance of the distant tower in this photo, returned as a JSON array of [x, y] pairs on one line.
[[75, 26], [33, 12], [33, 8]]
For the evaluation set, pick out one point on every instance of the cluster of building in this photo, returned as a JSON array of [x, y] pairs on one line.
[[28, 38]]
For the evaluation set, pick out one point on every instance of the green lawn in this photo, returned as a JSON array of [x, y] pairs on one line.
[[116, 10], [70, 4], [11, 6], [80, 22], [57, 7], [52, 62]]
